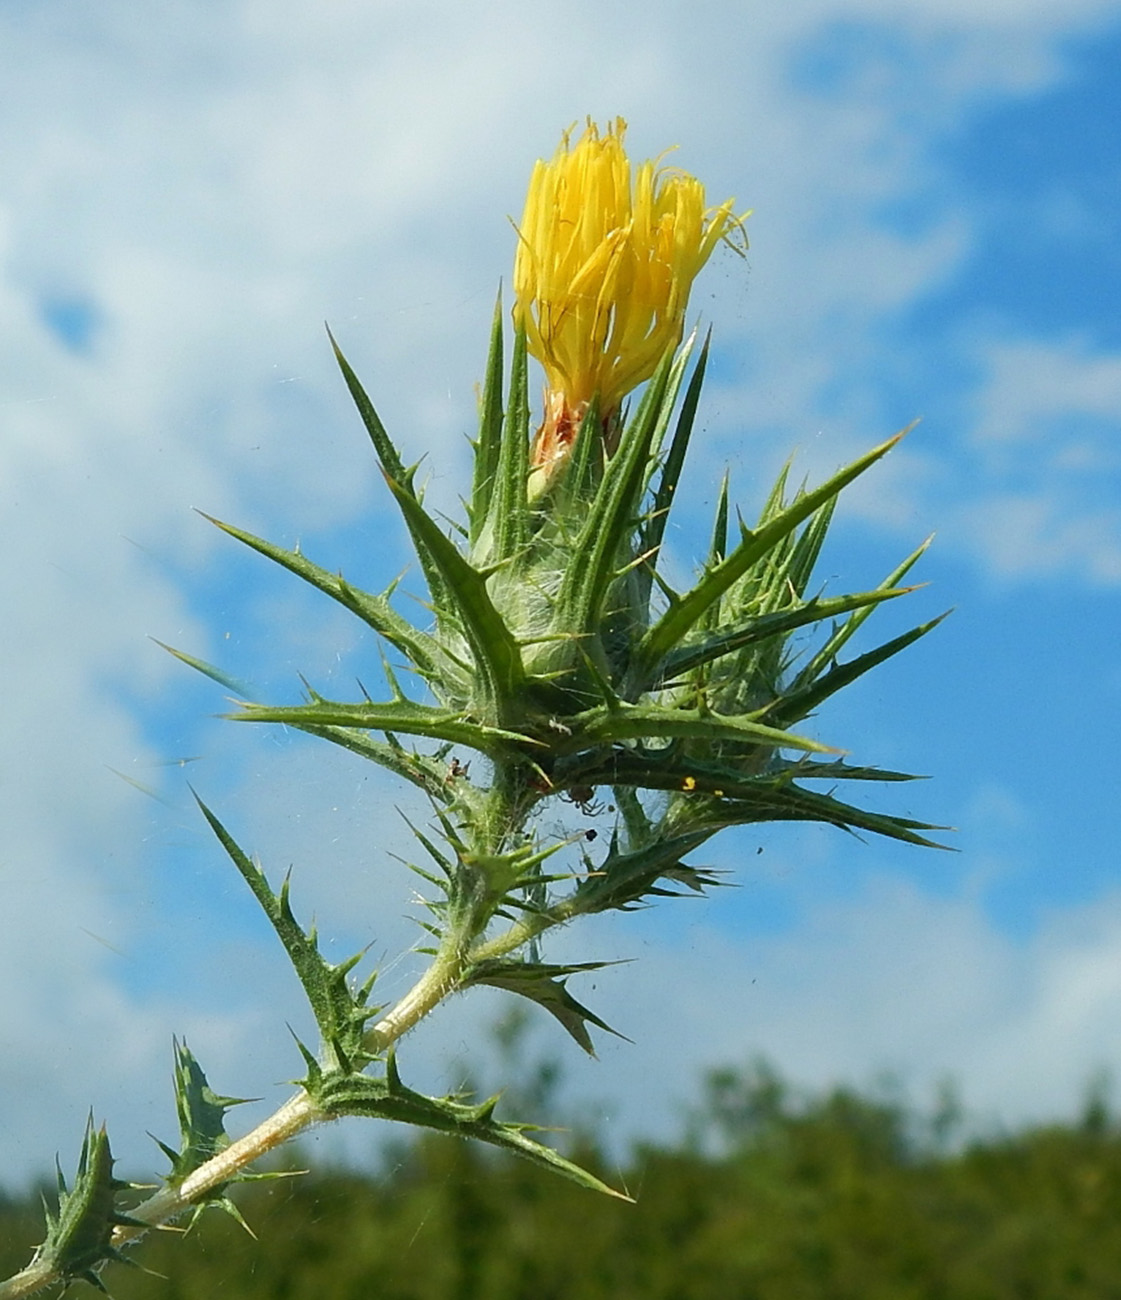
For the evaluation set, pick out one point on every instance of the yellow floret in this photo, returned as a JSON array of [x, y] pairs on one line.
[[603, 273]]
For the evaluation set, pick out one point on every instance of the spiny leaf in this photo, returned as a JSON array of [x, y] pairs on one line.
[[655, 528], [439, 780], [792, 707], [393, 468], [201, 1114], [806, 770], [424, 653], [789, 802], [692, 654], [713, 617], [203, 1135], [624, 878], [79, 1238], [611, 517], [389, 1098], [807, 548], [602, 725], [340, 1011], [545, 985], [406, 717], [510, 503], [672, 769], [493, 645], [832, 648], [383, 445], [489, 443], [636, 821], [674, 625], [239, 688]]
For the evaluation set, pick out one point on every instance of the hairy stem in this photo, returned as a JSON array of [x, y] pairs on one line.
[[297, 1114], [427, 993], [513, 938]]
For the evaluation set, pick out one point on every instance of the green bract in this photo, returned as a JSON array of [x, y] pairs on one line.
[[559, 653]]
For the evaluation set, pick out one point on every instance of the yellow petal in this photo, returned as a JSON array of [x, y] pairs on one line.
[[604, 267]]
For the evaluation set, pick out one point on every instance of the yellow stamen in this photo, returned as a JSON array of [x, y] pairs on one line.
[[603, 273]]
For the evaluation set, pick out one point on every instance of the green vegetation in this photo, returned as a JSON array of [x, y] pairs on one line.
[[772, 1196]]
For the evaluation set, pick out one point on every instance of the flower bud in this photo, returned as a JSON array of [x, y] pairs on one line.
[[602, 278]]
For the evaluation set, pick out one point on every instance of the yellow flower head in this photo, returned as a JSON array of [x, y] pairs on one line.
[[603, 273]]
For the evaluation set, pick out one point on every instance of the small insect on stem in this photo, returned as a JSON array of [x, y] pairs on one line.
[[584, 797], [457, 769]]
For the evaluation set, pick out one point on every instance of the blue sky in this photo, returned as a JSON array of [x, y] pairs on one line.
[[934, 235]]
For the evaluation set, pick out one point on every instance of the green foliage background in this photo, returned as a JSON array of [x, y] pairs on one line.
[[771, 1195]]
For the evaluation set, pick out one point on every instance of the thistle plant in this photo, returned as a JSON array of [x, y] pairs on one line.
[[557, 663]]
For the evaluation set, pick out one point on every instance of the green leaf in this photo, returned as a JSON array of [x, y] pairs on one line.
[[387, 454], [804, 554], [511, 503], [675, 459], [638, 826], [672, 769], [718, 549], [340, 1011], [439, 779], [201, 1114], [684, 612], [545, 985], [392, 467], [806, 770], [785, 801], [79, 1238], [796, 705], [598, 552], [402, 716], [388, 1098], [239, 688], [760, 628], [832, 648], [423, 652], [497, 657], [625, 878], [653, 530], [202, 1136], [489, 443], [622, 722]]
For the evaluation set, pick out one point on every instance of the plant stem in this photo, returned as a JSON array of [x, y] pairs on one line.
[[459, 948], [513, 938], [37, 1275], [425, 995], [297, 1114]]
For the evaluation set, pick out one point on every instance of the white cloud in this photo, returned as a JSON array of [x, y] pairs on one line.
[[1044, 446], [1040, 535], [1033, 386]]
